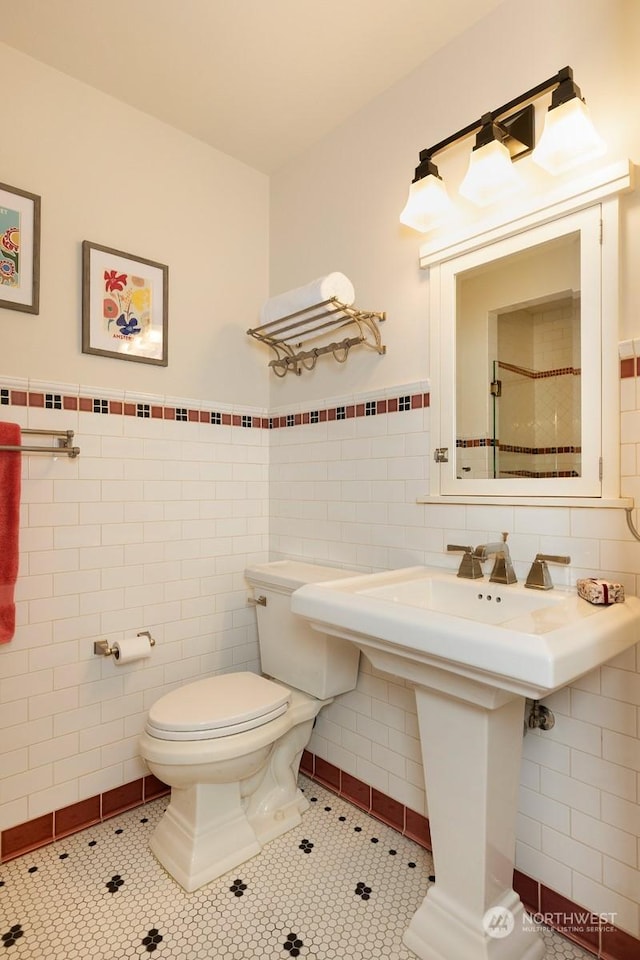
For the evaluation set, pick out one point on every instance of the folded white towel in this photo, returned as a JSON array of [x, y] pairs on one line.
[[305, 299]]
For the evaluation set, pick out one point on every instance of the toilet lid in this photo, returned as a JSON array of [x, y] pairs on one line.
[[217, 707]]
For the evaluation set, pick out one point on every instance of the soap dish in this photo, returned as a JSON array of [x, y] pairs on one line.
[[600, 591]]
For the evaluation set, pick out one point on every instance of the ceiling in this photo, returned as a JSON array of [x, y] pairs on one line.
[[260, 80]]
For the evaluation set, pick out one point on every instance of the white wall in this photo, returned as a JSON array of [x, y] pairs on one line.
[[346, 492], [337, 207], [152, 526], [115, 176]]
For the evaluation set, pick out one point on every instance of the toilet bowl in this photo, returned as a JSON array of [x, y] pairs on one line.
[[229, 746]]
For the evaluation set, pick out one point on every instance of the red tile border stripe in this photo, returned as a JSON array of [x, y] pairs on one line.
[[101, 406], [540, 374]]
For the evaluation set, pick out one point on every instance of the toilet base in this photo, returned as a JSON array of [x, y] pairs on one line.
[[196, 849], [284, 819], [197, 853], [210, 827]]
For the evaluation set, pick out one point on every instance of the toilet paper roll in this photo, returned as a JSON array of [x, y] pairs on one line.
[[131, 648]]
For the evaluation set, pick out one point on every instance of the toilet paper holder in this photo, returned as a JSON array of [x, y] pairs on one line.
[[102, 648]]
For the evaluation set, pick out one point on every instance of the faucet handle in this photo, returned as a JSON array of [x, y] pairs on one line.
[[539, 577], [469, 568], [553, 558]]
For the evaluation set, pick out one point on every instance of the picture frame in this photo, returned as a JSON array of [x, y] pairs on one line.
[[19, 249], [125, 310]]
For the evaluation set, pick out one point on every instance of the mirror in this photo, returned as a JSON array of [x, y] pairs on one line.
[[517, 346], [518, 365]]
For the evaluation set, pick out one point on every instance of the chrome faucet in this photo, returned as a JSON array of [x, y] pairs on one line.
[[503, 571]]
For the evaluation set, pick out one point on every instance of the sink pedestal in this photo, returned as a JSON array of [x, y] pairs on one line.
[[474, 652], [471, 737]]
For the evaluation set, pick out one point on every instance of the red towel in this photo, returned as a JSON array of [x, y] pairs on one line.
[[10, 467]]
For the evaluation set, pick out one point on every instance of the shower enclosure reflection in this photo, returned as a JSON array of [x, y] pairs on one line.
[[518, 365], [535, 391]]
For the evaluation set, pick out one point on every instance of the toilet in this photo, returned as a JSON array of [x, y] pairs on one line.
[[229, 746]]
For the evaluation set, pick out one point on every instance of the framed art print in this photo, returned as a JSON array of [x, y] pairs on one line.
[[19, 249], [124, 305]]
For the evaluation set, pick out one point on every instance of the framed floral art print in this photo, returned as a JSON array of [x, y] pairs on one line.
[[124, 305], [19, 249]]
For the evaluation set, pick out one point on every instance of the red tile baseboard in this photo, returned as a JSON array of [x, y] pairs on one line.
[[417, 828], [78, 816], [154, 788], [593, 933], [122, 798], [578, 925], [27, 836], [618, 945], [325, 773], [389, 811], [355, 791], [528, 890]]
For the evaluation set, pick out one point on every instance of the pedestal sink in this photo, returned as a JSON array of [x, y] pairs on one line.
[[473, 650]]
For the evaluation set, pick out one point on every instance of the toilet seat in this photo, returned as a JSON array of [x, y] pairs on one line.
[[217, 707]]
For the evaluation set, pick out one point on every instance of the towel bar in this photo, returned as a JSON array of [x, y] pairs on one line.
[[64, 444], [317, 319]]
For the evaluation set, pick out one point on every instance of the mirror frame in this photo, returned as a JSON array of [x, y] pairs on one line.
[[586, 223], [592, 208]]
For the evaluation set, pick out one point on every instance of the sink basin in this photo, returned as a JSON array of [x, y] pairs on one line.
[[472, 650], [526, 641], [484, 603]]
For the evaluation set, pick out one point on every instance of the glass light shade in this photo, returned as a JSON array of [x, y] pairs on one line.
[[490, 176], [428, 204], [568, 139]]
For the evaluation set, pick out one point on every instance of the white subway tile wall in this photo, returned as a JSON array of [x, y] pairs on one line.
[[151, 528], [579, 812]]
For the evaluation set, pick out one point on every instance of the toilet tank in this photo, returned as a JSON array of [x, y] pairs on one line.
[[290, 650]]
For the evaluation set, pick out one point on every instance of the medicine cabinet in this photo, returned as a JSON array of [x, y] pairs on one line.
[[524, 356]]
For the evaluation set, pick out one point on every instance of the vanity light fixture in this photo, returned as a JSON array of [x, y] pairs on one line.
[[569, 137], [502, 136], [428, 202], [491, 175]]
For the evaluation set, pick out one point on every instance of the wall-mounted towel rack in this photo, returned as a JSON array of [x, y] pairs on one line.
[[286, 334], [65, 444]]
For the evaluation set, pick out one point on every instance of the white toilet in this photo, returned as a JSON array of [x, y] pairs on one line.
[[230, 746]]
